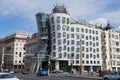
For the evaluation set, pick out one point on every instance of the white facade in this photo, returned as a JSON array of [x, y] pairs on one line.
[[113, 49], [66, 38]]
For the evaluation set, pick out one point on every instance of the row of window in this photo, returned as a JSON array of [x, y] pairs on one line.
[[74, 42], [20, 54], [64, 34], [59, 19], [73, 48], [84, 30], [87, 56], [87, 62]]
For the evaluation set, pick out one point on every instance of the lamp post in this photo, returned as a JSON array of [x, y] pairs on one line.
[[2, 60], [81, 66]]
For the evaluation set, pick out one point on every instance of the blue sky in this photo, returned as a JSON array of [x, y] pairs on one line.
[[19, 15]]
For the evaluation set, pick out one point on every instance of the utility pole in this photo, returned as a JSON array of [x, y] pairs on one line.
[[38, 62], [2, 60], [81, 66]]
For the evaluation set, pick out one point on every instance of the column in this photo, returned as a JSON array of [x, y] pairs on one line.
[[57, 65]]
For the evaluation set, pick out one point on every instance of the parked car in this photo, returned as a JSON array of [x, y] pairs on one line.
[[25, 71], [57, 71], [42, 72], [112, 76], [7, 76]]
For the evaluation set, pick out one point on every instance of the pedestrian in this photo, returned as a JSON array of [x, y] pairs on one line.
[[88, 71], [91, 71], [100, 72]]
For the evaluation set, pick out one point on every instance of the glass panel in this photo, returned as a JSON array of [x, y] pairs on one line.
[[58, 19]]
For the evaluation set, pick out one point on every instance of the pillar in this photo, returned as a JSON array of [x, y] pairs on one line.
[[56, 65]]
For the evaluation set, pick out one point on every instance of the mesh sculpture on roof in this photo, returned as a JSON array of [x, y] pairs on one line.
[[59, 9]]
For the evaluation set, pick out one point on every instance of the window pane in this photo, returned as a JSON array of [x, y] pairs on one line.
[[58, 19], [63, 19]]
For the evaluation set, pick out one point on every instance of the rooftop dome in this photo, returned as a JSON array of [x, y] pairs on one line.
[[59, 9], [108, 26]]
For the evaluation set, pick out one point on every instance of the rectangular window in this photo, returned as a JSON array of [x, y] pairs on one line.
[[77, 29], [72, 41], [67, 20], [68, 42], [72, 35], [86, 37], [54, 54], [54, 47], [64, 48], [82, 36], [82, 30], [52, 19], [72, 48], [87, 50], [72, 29], [77, 49], [90, 31], [20, 54], [59, 35], [64, 41], [63, 19], [86, 30], [59, 48], [77, 43], [58, 19], [82, 42], [83, 49], [77, 62], [77, 36], [59, 42], [77, 56], [86, 43], [54, 40], [58, 27]]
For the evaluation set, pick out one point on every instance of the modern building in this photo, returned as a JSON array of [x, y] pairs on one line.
[[66, 42], [14, 50]]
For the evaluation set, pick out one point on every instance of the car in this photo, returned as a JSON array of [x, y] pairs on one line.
[[112, 76], [7, 76], [42, 72], [25, 71], [57, 71]]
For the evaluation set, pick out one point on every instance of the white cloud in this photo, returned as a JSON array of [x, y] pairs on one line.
[[85, 9], [99, 21]]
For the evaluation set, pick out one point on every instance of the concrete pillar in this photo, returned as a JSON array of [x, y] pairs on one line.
[[56, 65]]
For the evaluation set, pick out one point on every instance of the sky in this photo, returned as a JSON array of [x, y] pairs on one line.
[[19, 15]]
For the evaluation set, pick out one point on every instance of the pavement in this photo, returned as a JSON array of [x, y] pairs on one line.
[[83, 75]]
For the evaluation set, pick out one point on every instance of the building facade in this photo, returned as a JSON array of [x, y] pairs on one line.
[[110, 48], [14, 50], [72, 43], [31, 52]]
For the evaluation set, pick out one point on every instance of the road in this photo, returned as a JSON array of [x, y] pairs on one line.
[[53, 77]]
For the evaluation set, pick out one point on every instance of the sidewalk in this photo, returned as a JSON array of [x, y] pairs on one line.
[[84, 75]]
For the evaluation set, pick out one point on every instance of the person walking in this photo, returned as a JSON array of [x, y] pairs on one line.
[[91, 71], [88, 71]]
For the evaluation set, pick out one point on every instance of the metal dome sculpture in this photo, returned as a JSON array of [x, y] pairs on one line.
[[108, 26], [59, 9]]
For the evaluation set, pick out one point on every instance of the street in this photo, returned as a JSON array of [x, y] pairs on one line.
[[53, 77]]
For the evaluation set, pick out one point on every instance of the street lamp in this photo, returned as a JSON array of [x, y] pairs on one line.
[[2, 60], [81, 66]]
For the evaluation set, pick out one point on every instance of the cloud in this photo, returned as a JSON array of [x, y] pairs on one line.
[[84, 9], [99, 21]]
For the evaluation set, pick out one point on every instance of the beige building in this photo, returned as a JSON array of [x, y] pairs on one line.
[[14, 50], [31, 50], [110, 48]]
